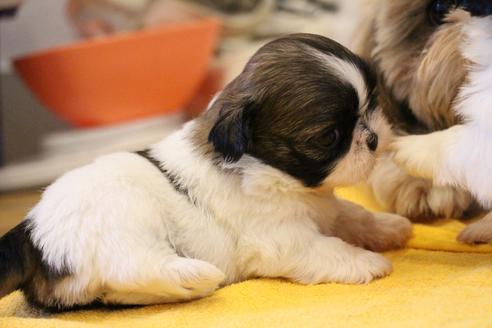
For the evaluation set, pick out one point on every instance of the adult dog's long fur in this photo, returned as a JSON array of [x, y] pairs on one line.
[[424, 53], [419, 49], [461, 155]]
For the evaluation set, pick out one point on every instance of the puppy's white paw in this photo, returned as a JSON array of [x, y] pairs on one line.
[[415, 155], [363, 268], [391, 232], [194, 278]]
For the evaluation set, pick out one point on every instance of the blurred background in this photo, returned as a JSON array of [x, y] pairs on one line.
[[80, 78]]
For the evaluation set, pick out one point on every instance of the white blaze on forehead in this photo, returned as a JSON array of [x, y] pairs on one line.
[[212, 102], [346, 71]]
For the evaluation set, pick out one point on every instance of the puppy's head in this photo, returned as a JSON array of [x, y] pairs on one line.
[[420, 48], [305, 106]]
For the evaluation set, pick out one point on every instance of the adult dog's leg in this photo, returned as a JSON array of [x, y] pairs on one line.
[[479, 232], [415, 198]]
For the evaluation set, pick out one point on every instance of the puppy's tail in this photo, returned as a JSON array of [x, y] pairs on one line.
[[17, 258]]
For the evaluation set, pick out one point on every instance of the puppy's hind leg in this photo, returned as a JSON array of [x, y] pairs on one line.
[[172, 279]]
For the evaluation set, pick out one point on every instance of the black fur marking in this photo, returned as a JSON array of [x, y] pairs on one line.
[[399, 114], [14, 245], [172, 178], [331, 6], [38, 288], [306, 157], [407, 121], [93, 306], [232, 133], [283, 104], [479, 8], [22, 267]]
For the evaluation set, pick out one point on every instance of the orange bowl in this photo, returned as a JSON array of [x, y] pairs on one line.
[[122, 77]]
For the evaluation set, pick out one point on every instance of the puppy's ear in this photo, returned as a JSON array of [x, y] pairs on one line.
[[231, 133]]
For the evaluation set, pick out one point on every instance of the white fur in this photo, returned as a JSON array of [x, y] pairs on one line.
[[461, 155], [116, 225], [345, 71], [129, 233]]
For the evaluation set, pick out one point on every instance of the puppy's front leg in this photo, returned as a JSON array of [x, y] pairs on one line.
[[308, 257], [377, 232], [423, 155]]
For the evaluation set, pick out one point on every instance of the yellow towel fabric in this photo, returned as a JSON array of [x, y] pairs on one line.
[[436, 283], [438, 236]]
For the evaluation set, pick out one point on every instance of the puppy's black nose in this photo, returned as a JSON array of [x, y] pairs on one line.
[[372, 141]]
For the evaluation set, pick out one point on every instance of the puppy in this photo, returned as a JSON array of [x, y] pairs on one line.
[[421, 50], [243, 191]]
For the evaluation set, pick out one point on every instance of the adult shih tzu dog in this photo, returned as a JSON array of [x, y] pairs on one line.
[[432, 57], [245, 190], [462, 154]]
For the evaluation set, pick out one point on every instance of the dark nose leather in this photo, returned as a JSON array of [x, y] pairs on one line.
[[372, 141], [480, 8]]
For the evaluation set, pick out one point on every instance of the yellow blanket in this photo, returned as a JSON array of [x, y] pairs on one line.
[[436, 283]]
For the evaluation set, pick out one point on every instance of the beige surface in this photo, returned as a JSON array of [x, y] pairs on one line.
[[14, 206]]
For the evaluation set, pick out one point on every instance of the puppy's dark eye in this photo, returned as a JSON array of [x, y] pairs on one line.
[[438, 10], [330, 138]]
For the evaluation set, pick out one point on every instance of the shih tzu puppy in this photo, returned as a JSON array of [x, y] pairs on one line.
[[426, 53], [243, 191]]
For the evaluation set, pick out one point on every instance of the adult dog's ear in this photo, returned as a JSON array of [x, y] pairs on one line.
[[231, 133]]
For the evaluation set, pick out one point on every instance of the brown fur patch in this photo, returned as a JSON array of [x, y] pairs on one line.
[[377, 232], [23, 268], [479, 232], [440, 73], [291, 110], [419, 65], [420, 71], [416, 198]]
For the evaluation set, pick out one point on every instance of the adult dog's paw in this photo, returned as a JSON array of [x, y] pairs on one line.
[[479, 232], [415, 155]]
